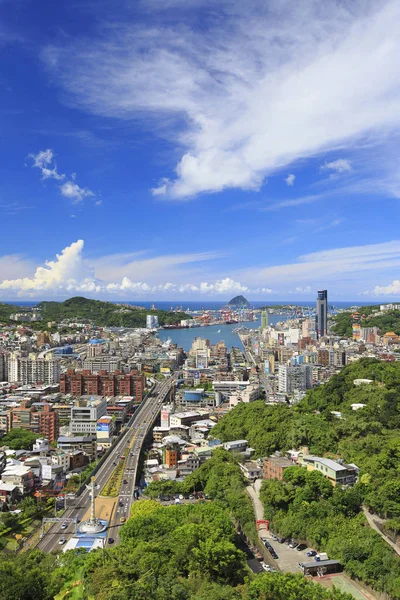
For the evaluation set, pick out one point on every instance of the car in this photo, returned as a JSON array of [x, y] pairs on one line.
[[120, 503], [293, 545], [301, 547], [274, 536], [125, 481], [122, 519], [265, 566], [191, 497], [114, 463], [64, 526], [312, 553], [62, 541], [110, 540], [280, 540]]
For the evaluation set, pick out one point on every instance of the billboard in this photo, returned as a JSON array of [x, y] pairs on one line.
[[102, 426]]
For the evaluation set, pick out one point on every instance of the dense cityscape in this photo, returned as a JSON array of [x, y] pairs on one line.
[[97, 421]]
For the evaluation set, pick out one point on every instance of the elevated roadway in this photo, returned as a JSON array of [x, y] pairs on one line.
[[130, 446]]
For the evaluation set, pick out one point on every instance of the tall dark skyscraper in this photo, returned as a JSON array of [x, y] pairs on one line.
[[321, 318]]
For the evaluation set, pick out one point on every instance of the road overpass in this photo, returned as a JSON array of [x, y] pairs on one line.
[[130, 446]]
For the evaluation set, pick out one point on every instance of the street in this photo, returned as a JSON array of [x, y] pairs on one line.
[[109, 508]]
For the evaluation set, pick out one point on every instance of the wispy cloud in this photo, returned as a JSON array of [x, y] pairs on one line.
[[330, 225], [44, 160], [250, 92], [341, 165]]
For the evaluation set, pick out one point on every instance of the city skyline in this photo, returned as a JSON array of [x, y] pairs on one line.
[[191, 151]]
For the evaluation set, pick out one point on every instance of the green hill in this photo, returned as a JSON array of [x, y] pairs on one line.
[[238, 301], [389, 321], [6, 310], [105, 314]]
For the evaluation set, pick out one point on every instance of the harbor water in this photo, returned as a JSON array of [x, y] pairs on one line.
[[215, 333]]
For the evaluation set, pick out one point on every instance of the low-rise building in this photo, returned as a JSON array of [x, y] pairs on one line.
[[84, 443], [236, 445], [338, 474], [274, 466], [251, 470]]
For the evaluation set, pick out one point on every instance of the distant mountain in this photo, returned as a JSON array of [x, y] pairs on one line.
[[238, 301]]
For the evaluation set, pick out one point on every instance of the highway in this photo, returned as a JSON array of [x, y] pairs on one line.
[[129, 446]]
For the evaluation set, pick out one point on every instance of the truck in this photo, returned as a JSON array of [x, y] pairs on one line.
[[321, 556]]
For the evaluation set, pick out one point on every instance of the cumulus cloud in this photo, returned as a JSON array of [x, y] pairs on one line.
[[393, 289], [341, 165], [44, 160], [256, 88], [66, 272], [71, 190], [290, 179]]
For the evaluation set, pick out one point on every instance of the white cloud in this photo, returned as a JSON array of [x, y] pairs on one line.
[[290, 179], [44, 160], [64, 273], [71, 190], [333, 223], [250, 92], [341, 165], [393, 289]]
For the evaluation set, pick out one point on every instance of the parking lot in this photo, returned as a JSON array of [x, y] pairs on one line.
[[288, 558]]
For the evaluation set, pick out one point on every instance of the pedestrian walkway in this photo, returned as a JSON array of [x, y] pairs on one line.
[[372, 523], [254, 493]]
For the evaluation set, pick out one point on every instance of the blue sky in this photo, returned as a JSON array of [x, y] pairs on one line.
[[186, 149]]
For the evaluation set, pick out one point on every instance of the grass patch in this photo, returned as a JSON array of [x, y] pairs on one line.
[[113, 484]]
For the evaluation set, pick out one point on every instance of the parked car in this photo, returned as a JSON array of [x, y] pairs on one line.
[[281, 540], [293, 545], [265, 566], [301, 547], [191, 497], [110, 540], [312, 553]]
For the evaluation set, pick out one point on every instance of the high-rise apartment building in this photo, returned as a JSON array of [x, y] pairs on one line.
[[31, 369], [291, 379], [151, 321], [264, 319], [321, 317], [3, 365]]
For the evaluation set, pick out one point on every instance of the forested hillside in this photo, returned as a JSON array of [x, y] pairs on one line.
[[389, 321], [105, 313], [305, 505], [167, 553]]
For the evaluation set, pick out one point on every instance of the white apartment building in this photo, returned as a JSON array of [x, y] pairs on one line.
[[31, 369], [103, 362], [86, 413], [294, 378]]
